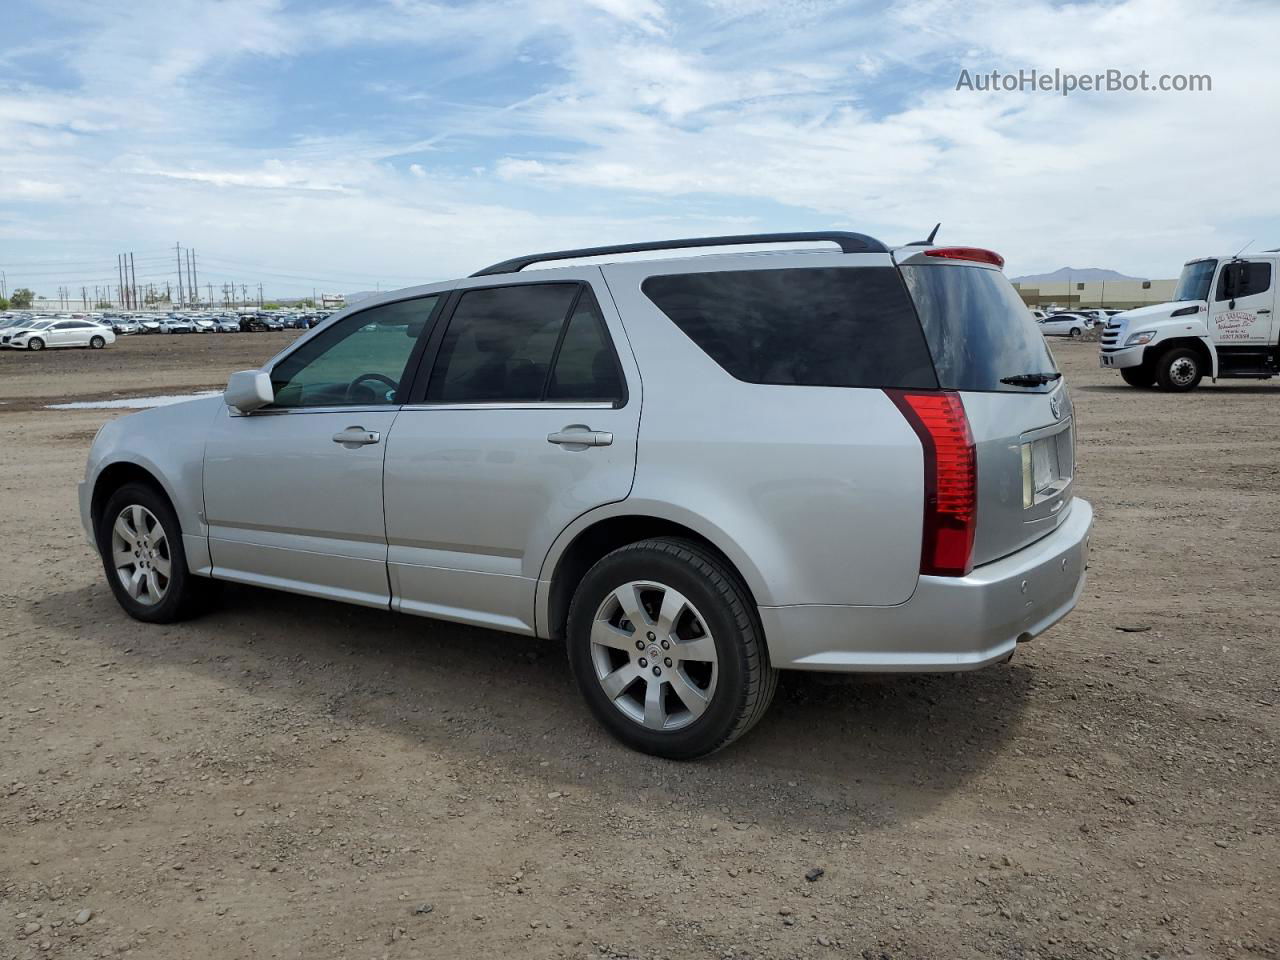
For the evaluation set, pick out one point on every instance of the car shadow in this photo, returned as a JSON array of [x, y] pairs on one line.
[[834, 753]]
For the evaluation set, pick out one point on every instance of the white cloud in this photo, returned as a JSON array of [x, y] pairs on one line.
[[779, 113]]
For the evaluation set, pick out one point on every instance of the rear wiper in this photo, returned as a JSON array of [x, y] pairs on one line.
[[1031, 379]]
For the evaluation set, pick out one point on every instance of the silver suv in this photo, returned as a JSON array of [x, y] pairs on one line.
[[695, 471]]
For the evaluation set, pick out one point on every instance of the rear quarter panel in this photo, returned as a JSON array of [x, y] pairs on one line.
[[821, 488]]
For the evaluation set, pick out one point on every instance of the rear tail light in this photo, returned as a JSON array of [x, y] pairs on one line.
[[950, 479], [976, 254]]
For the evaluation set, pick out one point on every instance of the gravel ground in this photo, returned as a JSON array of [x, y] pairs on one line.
[[293, 778]]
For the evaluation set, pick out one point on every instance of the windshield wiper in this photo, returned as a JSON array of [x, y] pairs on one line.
[[1031, 379]]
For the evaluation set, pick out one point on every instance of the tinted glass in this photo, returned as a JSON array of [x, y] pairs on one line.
[[500, 343], [358, 362], [1252, 278], [1195, 280], [585, 367], [830, 326], [978, 328]]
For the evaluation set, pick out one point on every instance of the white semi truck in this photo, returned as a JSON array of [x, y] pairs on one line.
[[1221, 323]]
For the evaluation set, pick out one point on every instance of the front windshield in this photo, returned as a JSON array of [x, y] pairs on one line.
[[1195, 280]]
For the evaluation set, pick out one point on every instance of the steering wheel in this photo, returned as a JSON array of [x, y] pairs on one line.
[[366, 377]]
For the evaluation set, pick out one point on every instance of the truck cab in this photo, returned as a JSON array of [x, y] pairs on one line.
[[1220, 324]]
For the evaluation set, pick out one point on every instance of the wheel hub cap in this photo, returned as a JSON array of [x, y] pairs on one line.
[[654, 655]]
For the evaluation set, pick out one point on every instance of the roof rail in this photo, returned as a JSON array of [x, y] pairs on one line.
[[848, 242]]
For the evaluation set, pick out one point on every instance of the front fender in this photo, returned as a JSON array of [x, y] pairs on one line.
[[168, 443]]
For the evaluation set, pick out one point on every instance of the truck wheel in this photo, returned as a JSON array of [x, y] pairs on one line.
[[1142, 376], [666, 645], [1179, 370]]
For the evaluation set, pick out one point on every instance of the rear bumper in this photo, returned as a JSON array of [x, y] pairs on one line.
[[950, 623]]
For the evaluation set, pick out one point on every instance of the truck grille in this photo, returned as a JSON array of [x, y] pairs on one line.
[[1110, 339]]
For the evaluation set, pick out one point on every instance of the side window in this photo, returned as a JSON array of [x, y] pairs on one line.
[[828, 326], [585, 367], [502, 343], [1250, 278], [358, 362]]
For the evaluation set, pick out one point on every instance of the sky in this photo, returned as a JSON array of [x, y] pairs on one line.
[[380, 143]]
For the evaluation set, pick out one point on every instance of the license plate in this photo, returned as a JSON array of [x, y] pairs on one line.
[[1045, 471]]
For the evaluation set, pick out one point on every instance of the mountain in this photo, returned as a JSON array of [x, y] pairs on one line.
[[1075, 275]]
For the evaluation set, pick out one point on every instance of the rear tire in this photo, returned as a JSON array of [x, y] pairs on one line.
[[1142, 376], [710, 682], [140, 541], [35, 343], [1179, 370], [97, 343]]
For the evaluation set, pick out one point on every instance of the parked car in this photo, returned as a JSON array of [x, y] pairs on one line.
[[61, 333], [226, 324], [260, 322], [177, 325], [814, 505], [1064, 325], [151, 324], [20, 328], [204, 325]]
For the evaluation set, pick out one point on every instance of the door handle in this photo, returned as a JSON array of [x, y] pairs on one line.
[[1265, 310], [353, 437], [577, 435]]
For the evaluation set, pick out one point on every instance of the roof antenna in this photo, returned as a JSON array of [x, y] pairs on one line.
[[928, 241], [1244, 248]]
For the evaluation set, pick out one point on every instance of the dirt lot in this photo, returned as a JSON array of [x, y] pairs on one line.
[[293, 778]]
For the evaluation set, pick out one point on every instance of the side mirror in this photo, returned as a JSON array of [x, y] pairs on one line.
[[248, 390]]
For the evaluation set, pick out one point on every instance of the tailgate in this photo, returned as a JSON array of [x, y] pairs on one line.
[[1025, 446]]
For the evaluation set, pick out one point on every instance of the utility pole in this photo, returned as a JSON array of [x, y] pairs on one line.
[[84, 297], [195, 277], [133, 279], [209, 287], [259, 296], [178, 250], [119, 282], [191, 287]]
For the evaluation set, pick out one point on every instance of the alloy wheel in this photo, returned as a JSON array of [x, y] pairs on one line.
[[141, 554], [654, 655]]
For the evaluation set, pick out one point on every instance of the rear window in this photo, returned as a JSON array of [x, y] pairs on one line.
[[819, 327], [978, 328]]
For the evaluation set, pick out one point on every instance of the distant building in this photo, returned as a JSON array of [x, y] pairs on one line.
[[1120, 294], [331, 301]]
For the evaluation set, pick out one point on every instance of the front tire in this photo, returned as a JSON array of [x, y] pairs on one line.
[[1179, 370], [1076, 333], [97, 343], [35, 343], [140, 542], [667, 648], [1142, 376]]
